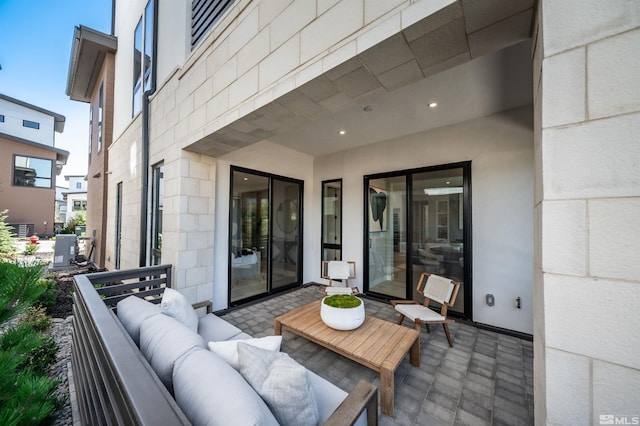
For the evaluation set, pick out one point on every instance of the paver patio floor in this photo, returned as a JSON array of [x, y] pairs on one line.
[[485, 379]]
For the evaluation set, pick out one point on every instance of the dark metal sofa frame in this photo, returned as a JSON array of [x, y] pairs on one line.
[[115, 384]]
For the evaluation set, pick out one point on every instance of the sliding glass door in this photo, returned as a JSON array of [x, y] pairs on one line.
[[265, 250], [419, 221]]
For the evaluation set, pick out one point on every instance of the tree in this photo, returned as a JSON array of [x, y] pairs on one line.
[[80, 218], [7, 247]]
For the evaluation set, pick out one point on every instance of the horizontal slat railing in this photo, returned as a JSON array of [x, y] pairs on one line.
[[114, 383], [147, 282]]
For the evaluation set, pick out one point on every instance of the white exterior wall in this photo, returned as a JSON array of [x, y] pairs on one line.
[[587, 278], [500, 148], [257, 52], [271, 158], [13, 116], [71, 213]]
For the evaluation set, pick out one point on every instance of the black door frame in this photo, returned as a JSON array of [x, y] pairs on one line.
[[299, 255], [467, 231]]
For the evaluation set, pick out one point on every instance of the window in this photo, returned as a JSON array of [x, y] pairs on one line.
[[1, 118], [142, 56], [100, 107], [157, 203], [29, 171], [31, 124], [137, 69], [332, 220], [205, 13], [147, 64], [79, 205], [78, 185], [90, 130]]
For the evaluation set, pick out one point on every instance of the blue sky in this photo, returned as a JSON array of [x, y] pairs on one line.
[[35, 46]]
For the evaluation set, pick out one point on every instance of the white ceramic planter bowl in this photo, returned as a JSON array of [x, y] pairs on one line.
[[342, 318]]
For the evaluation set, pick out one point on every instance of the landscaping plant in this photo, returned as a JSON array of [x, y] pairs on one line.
[[7, 247], [27, 394]]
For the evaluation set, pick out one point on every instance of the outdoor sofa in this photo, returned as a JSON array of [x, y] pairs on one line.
[[115, 383]]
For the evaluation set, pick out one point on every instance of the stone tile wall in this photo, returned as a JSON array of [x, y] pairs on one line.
[[587, 209]]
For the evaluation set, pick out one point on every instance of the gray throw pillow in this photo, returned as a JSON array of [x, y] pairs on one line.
[[281, 382]]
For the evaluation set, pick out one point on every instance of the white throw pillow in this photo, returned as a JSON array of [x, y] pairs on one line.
[[282, 383], [228, 349], [175, 305]]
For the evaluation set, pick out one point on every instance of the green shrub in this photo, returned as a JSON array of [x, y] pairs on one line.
[[26, 398], [19, 288], [30, 249], [7, 247], [37, 317], [27, 395], [48, 298], [32, 349]]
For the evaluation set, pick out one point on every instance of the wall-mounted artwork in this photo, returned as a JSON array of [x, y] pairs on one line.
[[377, 209]]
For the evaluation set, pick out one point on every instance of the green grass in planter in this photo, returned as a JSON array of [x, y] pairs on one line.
[[342, 301]]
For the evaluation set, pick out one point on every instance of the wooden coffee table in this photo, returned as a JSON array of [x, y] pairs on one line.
[[377, 344]]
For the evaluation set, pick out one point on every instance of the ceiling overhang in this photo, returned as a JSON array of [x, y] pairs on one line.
[[87, 55], [457, 34]]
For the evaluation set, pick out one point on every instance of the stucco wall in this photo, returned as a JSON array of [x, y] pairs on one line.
[[500, 148], [13, 123], [26, 204]]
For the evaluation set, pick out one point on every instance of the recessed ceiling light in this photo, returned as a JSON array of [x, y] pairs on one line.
[[246, 178], [342, 132], [433, 104]]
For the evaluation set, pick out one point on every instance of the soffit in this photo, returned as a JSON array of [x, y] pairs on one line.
[[473, 59], [87, 55]]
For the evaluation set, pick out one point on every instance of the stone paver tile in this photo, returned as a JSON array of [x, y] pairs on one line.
[[463, 417]]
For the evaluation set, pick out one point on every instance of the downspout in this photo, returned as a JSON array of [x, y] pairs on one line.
[[144, 197]]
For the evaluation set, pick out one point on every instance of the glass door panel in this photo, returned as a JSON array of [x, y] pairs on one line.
[[387, 236], [332, 220], [286, 249], [438, 227], [248, 235]]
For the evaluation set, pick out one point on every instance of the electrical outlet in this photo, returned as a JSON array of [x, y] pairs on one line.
[[490, 300]]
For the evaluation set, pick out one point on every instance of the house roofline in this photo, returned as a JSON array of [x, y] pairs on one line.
[[87, 56], [59, 119], [61, 155]]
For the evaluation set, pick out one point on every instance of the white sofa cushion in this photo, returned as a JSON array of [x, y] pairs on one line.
[[132, 311], [210, 392], [281, 382], [228, 350], [162, 341], [177, 306], [212, 328]]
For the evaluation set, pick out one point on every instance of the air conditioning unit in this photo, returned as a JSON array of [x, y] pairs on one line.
[[65, 250]]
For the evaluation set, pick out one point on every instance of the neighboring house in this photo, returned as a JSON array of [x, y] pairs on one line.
[[75, 195], [492, 143], [60, 209], [29, 165], [91, 80]]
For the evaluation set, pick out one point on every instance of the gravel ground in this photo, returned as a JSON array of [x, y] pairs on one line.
[[61, 332]]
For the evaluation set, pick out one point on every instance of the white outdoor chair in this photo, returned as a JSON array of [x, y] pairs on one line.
[[338, 270], [435, 288]]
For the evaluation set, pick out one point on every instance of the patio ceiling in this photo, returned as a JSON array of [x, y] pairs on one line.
[[472, 58]]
